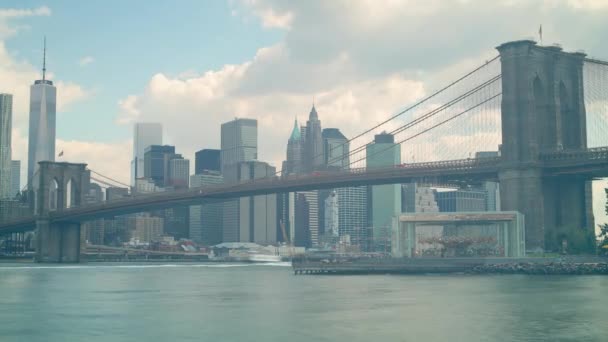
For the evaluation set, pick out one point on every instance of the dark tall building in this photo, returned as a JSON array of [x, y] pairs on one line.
[[293, 163], [156, 163], [164, 167], [207, 160], [177, 222], [302, 225], [335, 149], [168, 169], [314, 157]]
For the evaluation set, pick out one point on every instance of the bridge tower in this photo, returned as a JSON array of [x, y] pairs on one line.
[[543, 110], [59, 186]]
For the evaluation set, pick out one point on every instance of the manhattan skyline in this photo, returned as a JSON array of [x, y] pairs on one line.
[[192, 85]]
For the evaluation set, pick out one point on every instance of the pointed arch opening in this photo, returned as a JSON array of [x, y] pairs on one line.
[[570, 125], [53, 195], [70, 192], [546, 124]]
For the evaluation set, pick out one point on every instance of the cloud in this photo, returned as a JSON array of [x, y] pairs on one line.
[[84, 61], [20, 13], [270, 16], [363, 61], [588, 4], [69, 93], [7, 14], [100, 157], [271, 19]]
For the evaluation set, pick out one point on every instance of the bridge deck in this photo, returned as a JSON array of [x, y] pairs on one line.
[[591, 163]]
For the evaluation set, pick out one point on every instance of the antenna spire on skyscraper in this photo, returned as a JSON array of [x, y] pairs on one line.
[[44, 60]]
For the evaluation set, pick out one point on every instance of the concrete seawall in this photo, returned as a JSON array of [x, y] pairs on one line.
[[571, 265]]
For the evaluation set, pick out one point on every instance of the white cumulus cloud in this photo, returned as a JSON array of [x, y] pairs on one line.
[[361, 60], [7, 14], [84, 61]]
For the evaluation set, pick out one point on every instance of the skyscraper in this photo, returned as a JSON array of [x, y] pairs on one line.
[[41, 140], [179, 171], [332, 218], [314, 157], [302, 235], [15, 177], [207, 159], [239, 141], [335, 149], [311, 145], [156, 163], [293, 163], [253, 218], [6, 119], [144, 134], [206, 219], [385, 199], [307, 227], [352, 201], [352, 215]]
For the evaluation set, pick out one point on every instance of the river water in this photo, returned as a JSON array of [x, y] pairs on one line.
[[222, 302]]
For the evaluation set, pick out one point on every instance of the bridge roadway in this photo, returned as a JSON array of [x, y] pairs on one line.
[[593, 163]]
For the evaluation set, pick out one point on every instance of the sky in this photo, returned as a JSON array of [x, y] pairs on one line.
[[192, 65]]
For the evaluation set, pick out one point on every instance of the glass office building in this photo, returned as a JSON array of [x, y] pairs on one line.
[[42, 122], [6, 118]]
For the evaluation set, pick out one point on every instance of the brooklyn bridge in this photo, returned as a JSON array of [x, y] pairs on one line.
[[543, 109]]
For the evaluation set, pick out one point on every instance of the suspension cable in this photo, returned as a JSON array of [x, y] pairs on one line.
[[432, 127], [111, 179], [409, 108], [424, 117]]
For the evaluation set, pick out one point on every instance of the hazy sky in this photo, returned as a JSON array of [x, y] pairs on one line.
[[194, 64]]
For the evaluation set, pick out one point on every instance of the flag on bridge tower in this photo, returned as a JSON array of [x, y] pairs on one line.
[[540, 33]]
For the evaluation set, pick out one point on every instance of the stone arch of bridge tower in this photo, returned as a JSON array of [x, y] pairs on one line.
[[71, 180], [542, 111], [53, 201], [547, 126], [71, 189], [570, 122], [59, 241]]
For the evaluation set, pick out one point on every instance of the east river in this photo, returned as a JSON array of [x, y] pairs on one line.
[[223, 302]]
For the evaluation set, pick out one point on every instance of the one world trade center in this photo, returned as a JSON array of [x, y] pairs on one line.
[[43, 102]]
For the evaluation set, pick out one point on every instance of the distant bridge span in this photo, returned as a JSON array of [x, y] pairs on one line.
[[593, 163], [442, 172]]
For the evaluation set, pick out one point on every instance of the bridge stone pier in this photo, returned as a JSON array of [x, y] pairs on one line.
[[543, 110], [59, 186]]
